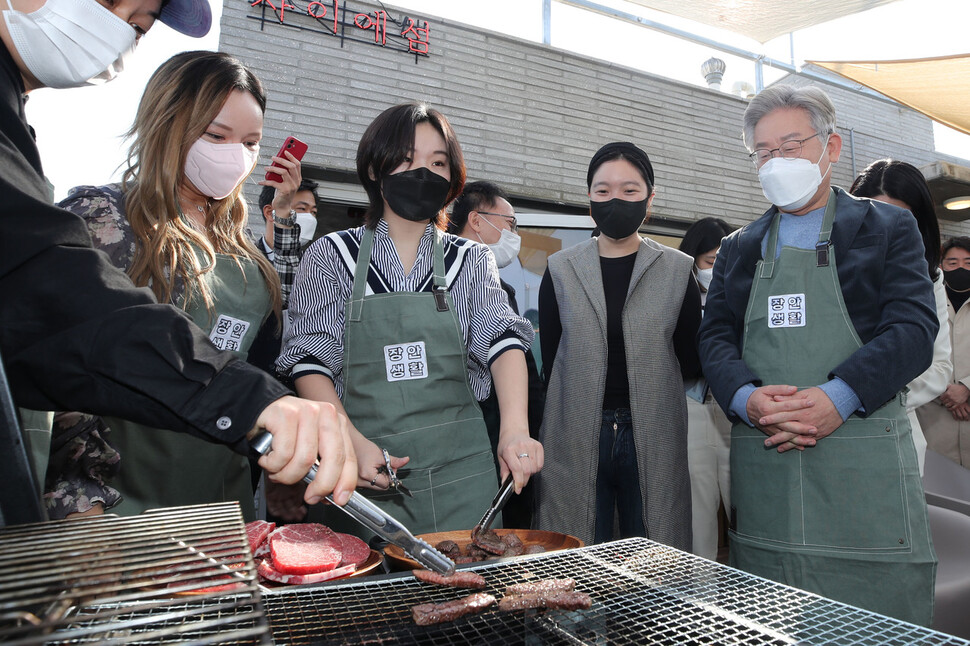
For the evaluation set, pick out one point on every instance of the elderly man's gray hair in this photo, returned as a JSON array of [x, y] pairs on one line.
[[809, 98]]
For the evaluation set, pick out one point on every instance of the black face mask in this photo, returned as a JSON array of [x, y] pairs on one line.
[[417, 194], [957, 279], [618, 218]]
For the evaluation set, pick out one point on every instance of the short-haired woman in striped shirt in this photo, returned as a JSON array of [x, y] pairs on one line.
[[404, 327]]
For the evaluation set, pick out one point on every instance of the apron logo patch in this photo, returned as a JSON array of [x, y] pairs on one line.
[[405, 361], [228, 332], [786, 310]]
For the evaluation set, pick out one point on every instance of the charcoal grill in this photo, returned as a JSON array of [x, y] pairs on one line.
[[643, 593], [178, 575]]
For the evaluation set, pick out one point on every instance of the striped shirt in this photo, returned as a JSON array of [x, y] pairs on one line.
[[313, 342]]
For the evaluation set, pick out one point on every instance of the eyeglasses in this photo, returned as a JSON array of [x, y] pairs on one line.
[[789, 150], [954, 263], [511, 218]]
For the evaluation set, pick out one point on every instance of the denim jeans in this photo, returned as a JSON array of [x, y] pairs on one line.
[[618, 479]]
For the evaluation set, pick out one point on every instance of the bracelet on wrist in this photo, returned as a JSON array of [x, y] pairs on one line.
[[285, 221]]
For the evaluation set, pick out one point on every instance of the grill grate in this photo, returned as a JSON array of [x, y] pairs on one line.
[[642, 593], [179, 575]]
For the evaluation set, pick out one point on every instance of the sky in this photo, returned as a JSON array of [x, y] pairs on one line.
[[80, 132]]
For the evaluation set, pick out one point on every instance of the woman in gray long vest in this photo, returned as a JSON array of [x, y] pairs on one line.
[[618, 316]]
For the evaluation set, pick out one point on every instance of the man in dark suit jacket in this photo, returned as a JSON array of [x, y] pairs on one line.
[[483, 213], [819, 314]]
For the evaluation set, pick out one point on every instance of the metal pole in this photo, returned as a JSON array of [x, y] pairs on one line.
[[852, 151], [546, 22]]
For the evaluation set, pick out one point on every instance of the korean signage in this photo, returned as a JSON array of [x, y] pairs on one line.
[[334, 18]]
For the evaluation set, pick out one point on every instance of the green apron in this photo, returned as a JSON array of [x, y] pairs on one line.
[[160, 468], [845, 519], [406, 389]]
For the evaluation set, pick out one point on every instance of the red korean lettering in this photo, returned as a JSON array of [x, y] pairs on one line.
[[319, 11], [284, 5], [419, 38], [377, 22]]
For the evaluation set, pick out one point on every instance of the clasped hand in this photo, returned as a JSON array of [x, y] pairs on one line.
[[792, 418]]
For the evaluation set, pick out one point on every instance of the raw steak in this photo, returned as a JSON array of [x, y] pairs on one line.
[[436, 613], [267, 571], [262, 552], [257, 531], [353, 550], [304, 549]]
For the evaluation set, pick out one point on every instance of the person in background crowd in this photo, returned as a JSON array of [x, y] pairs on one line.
[[903, 185], [818, 315], [946, 419], [74, 332], [302, 216], [178, 227], [708, 430], [482, 212], [405, 327], [618, 315], [289, 233]]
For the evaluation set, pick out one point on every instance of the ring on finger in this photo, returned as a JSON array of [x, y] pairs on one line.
[[373, 482], [523, 455]]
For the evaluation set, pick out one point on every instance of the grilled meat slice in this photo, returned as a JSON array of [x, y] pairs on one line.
[[542, 586], [460, 579], [427, 614], [554, 600]]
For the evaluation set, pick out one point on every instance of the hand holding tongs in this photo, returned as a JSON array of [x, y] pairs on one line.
[[375, 519], [498, 502]]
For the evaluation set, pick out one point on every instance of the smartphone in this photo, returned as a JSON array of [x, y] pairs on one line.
[[295, 147]]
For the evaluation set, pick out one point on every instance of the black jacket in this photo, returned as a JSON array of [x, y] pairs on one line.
[[75, 334], [885, 286]]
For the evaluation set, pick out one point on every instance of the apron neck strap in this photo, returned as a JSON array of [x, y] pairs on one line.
[[363, 265], [821, 248], [438, 259], [824, 244], [768, 263], [360, 274]]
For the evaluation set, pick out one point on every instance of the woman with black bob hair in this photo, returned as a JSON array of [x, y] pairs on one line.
[[619, 315], [404, 327], [708, 429], [900, 184]]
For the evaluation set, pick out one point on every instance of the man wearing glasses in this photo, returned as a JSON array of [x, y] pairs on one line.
[[484, 214], [818, 315]]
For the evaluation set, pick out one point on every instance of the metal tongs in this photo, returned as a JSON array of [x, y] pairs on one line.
[[498, 502], [392, 475], [375, 519]]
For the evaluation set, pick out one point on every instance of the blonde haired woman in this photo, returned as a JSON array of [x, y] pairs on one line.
[[176, 224]]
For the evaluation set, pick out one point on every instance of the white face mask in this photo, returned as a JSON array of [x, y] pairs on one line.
[[789, 184], [217, 169], [704, 277], [308, 225], [71, 43], [507, 247]]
